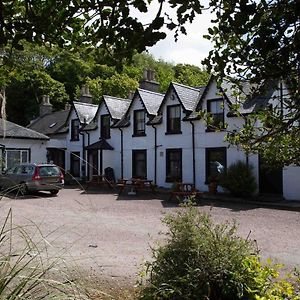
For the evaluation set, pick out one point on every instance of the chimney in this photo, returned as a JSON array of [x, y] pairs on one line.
[[67, 106], [148, 82], [85, 96], [45, 106]]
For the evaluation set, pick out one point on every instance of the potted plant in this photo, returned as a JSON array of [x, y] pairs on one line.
[[213, 184]]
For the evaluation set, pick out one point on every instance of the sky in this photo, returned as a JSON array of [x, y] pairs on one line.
[[189, 49]]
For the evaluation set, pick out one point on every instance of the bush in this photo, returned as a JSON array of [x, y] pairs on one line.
[[239, 180], [201, 260]]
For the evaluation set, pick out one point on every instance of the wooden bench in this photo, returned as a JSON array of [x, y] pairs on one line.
[[135, 185], [185, 190]]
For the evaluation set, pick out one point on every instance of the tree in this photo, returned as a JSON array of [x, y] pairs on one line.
[[258, 42]]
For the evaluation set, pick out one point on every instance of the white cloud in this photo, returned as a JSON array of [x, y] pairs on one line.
[[191, 48]]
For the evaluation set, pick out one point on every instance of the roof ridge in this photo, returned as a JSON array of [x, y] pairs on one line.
[[117, 98], [187, 86], [83, 103], [151, 92]]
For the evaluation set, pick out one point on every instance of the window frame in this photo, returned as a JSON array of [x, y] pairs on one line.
[[207, 160], [169, 129], [21, 151], [216, 116], [74, 134], [74, 154], [135, 162], [136, 131], [105, 130], [168, 165]]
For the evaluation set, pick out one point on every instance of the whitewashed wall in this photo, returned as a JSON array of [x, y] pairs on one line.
[[73, 146], [38, 151], [111, 158], [138, 143]]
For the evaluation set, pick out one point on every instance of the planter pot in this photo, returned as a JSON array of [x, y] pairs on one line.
[[213, 188]]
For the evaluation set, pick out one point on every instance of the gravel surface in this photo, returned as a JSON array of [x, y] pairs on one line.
[[108, 235]]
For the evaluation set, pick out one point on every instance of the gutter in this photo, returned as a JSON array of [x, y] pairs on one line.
[[122, 154], [193, 153]]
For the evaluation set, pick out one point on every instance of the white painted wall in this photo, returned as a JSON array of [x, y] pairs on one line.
[[73, 146], [291, 186], [138, 143], [111, 158], [38, 151]]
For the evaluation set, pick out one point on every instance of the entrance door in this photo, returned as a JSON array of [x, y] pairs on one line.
[[270, 179], [93, 163]]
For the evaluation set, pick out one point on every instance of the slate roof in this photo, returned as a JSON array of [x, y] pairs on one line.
[[117, 107], [91, 126], [102, 144], [124, 122], [151, 100], [156, 120], [255, 98], [85, 111], [189, 96], [12, 130], [51, 123]]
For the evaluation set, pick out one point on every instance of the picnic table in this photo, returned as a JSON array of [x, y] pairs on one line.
[[185, 190], [135, 185]]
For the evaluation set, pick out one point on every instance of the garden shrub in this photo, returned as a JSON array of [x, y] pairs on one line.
[[203, 260], [200, 259], [239, 179]]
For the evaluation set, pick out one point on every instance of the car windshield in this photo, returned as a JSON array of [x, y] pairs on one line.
[[49, 171]]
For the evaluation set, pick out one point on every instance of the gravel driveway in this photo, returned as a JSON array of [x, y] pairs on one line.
[[110, 235]]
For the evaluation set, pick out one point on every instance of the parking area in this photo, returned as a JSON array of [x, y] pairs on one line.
[[110, 235]]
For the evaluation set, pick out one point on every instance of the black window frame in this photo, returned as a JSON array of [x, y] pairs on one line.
[[169, 177], [74, 134], [105, 128], [74, 157], [218, 118], [136, 131], [134, 163], [208, 152], [171, 129]]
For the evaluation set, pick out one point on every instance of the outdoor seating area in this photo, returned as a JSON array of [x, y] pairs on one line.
[[134, 185], [183, 191]]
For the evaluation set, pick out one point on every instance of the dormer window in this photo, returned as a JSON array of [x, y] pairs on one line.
[[173, 119], [216, 110], [139, 122], [75, 124], [105, 126]]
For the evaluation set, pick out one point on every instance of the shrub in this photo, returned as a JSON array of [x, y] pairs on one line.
[[239, 180], [199, 261], [202, 260]]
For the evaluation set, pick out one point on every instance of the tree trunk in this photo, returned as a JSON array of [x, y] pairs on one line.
[[2, 103]]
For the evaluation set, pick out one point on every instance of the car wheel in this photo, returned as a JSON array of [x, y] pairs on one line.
[[23, 189], [54, 192]]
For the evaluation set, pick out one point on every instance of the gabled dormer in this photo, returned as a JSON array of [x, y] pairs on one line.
[[142, 109], [178, 103]]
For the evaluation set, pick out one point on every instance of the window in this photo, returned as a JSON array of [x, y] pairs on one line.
[[16, 156], [75, 130], [216, 110], [139, 123], [75, 164], [139, 164], [173, 165], [105, 126], [215, 162], [173, 119]]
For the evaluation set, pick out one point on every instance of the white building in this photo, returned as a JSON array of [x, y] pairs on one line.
[[161, 137]]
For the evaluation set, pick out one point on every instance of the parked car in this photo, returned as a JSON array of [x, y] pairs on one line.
[[33, 178]]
